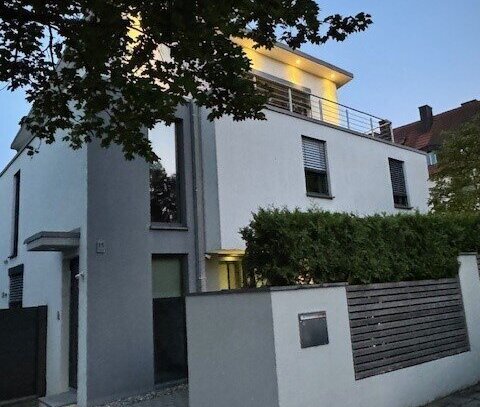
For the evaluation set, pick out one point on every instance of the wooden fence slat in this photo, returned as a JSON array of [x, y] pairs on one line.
[[408, 349], [380, 326], [399, 340], [405, 340], [401, 296], [400, 284], [404, 303], [408, 356], [401, 310], [396, 325], [400, 290], [411, 362], [404, 316], [380, 333]]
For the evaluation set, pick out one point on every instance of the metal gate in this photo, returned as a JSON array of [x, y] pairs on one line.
[[23, 336]]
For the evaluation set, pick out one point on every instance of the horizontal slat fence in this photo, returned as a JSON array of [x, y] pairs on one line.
[[397, 325]]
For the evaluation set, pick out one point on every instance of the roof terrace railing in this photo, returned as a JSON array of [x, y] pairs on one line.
[[319, 108]]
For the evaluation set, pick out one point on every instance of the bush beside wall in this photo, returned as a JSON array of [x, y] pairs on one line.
[[293, 247]]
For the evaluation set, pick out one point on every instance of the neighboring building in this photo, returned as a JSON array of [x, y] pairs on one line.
[[426, 134], [112, 246]]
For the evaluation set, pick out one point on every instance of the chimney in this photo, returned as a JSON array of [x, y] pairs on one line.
[[426, 117]]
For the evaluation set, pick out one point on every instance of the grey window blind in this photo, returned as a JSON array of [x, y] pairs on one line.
[[398, 177], [16, 286], [314, 155]]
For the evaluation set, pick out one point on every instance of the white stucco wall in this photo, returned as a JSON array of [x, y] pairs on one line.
[[231, 354], [222, 327], [260, 164], [52, 198]]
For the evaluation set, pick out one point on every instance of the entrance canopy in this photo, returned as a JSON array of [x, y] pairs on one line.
[[53, 241]]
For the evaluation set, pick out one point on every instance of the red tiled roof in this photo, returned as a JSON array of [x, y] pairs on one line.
[[413, 135]]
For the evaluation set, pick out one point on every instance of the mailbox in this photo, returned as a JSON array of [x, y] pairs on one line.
[[313, 329]]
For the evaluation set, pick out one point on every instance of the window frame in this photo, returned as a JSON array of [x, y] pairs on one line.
[[16, 215], [313, 194], [13, 272], [431, 157], [180, 187], [395, 195]]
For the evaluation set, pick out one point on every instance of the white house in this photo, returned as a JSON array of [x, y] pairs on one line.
[[111, 247]]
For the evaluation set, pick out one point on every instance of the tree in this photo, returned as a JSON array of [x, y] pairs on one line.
[[98, 69], [457, 181]]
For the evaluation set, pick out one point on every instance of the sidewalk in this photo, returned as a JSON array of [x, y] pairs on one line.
[[465, 398]]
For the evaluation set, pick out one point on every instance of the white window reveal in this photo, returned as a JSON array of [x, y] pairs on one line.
[[315, 165]]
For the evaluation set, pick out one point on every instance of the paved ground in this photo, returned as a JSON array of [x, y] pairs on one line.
[[465, 398], [179, 398]]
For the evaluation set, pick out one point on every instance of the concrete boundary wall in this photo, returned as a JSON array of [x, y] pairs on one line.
[[243, 346]]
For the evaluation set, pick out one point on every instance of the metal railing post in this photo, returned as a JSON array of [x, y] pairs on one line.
[[320, 109], [348, 119], [290, 100], [371, 125]]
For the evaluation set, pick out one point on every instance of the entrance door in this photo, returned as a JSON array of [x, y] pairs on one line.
[[73, 353], [170, 337]]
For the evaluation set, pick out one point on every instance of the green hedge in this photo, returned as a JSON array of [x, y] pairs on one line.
[[293, 247]]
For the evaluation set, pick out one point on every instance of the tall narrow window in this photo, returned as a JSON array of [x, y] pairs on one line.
[[315, 164], [16, 287], [165, 174], [399, 187], [16, 214]]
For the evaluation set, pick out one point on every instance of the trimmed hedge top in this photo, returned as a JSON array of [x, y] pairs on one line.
[[293, 247]]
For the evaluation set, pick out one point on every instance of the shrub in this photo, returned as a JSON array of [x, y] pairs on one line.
[[293, 247]]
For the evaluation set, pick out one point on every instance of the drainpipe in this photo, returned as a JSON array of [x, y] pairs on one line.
[[198, 198]]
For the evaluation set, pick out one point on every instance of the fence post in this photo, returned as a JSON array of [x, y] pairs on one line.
[[320, 108], [290, 101], [348, 119]]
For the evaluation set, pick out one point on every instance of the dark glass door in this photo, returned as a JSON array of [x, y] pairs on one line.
[[170, 337]]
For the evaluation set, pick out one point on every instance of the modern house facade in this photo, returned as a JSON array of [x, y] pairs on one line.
[[112, 246], [426, 134]]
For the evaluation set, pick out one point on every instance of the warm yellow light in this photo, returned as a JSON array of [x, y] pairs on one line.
[[332, 76], [298, 61]]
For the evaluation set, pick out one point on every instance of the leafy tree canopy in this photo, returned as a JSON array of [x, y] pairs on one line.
[[457, 182], [86, 73]]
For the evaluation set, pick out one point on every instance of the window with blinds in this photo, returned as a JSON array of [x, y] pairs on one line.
[[16, 287], [315, 165], [285, 97], [399, 186]]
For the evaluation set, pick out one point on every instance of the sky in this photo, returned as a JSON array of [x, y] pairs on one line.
[[417, 52]]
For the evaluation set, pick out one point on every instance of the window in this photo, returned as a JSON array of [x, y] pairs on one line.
[[166, 175], [230, 275], [399, 186], [284, 96], [432, 158], [167, 278], [16, 214], [16, 287], [315, 164]]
